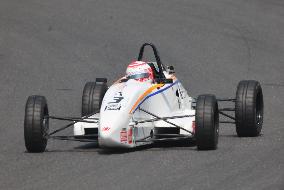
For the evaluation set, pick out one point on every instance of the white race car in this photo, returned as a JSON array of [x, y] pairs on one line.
[[147, 105]]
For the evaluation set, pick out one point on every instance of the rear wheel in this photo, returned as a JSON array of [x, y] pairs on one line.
[[36, 124], [93, 95], [207, 122], [249, 108]]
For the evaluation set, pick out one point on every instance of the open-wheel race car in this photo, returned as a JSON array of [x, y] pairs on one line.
[[147, 105]]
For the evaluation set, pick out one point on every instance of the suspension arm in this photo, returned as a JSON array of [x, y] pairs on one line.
[[165, 120], [73, 119], [70, 124]]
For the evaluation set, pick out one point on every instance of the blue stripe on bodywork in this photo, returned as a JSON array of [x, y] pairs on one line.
[[155, 93]]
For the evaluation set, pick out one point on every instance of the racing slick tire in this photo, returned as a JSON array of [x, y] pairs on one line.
[[36, 124], [207, 122], [249, 108], [93, 95]]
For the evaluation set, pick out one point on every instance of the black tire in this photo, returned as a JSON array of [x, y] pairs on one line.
[[249, 108], [36, 125], [92, 97], [207, 122]]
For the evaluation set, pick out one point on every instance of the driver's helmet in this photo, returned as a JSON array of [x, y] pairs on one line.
[[140, 71]]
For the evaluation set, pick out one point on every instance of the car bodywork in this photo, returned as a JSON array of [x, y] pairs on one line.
[[123, 108]]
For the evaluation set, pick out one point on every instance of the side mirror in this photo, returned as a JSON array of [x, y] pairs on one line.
[[171, 69]]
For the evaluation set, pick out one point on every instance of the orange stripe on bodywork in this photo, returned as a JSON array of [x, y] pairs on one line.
[[145, 94]]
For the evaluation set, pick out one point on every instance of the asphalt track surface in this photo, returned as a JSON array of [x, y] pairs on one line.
[[54, 47]]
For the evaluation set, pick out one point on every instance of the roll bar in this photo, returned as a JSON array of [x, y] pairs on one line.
[[158, 60]]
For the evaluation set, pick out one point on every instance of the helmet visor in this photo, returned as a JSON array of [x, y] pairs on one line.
[[138, 76]]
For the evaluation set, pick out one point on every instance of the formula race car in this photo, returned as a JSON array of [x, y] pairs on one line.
[[147, 105]]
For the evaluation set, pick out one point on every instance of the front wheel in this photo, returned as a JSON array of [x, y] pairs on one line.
[[249, 108], [36, 124], [207, 122]]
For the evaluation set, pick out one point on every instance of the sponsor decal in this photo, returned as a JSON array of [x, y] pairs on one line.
[[182, 94], [193, 126], [117, 98], [130, 134], [123, 136], [115, 104], [179, 103], [105, 128], [113, 107]]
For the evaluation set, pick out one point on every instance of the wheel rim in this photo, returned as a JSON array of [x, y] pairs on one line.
[[45, 123], [45, 127], [259, 109], [216, 123]]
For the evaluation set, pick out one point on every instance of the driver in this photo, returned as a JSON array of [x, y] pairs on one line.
[[140, 71]]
